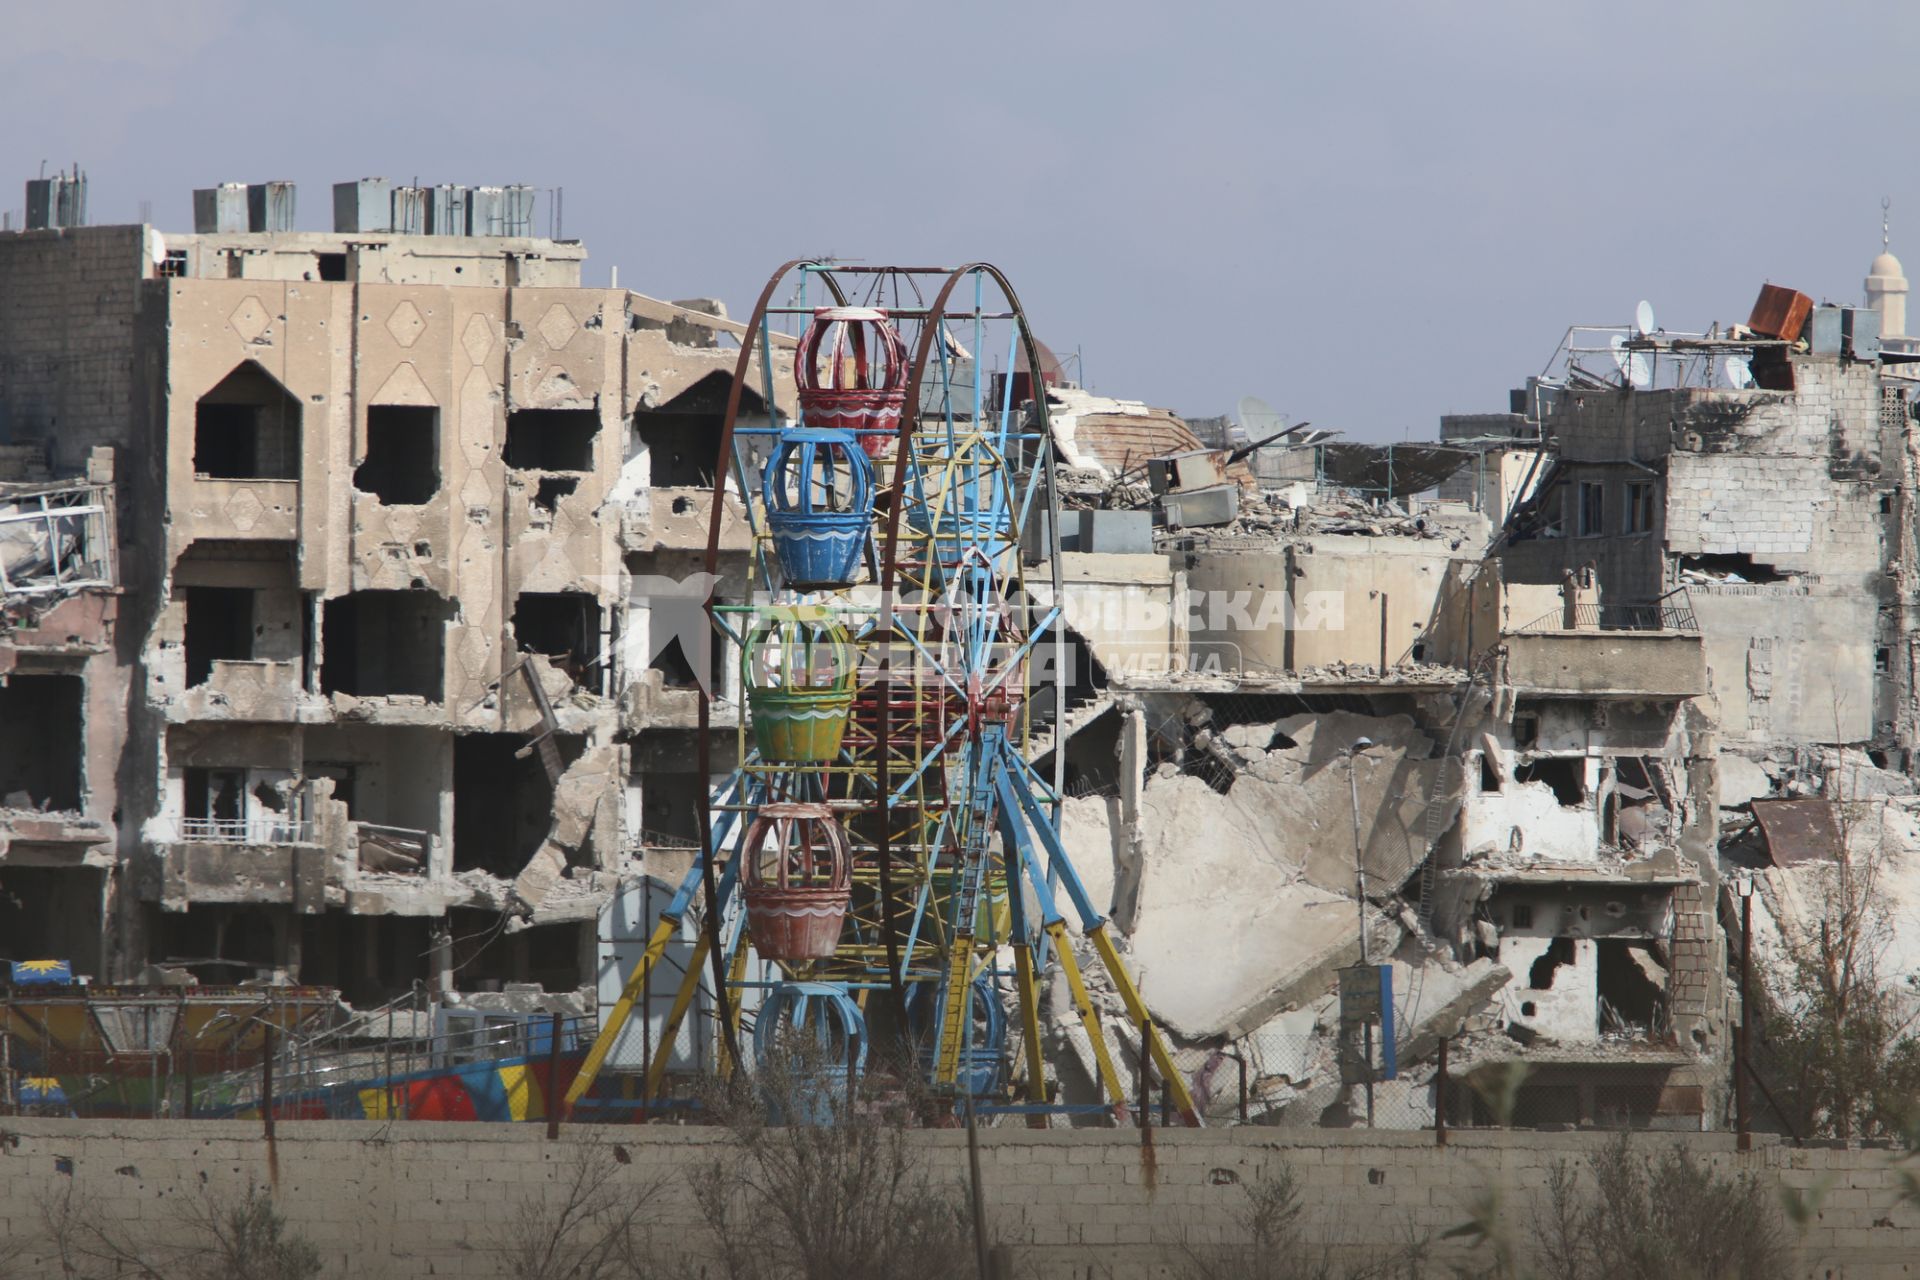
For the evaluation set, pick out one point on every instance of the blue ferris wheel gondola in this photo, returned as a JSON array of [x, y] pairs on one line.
[[818, 489], [816, 1031]]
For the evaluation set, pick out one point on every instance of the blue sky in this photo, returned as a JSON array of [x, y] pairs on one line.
[[1367, 214]]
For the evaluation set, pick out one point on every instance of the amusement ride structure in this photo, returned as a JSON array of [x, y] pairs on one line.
[[885, 855]]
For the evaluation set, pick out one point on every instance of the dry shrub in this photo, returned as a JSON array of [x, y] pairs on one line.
[[1659, 1216], [841, 1195]]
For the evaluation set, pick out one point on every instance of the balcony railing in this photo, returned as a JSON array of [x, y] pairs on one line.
[[1671, 612], [245, 830]]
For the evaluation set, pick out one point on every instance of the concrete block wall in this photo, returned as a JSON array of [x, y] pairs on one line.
[[67, 306], [1784, 510], [417, 1199]]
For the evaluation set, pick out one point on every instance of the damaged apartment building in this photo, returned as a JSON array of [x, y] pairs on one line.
[[1397, 756], [321, 658], [1518, 733]]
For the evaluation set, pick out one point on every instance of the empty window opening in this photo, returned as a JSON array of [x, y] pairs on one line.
[[551, 439], [502, 805], [1886, 504], [563, 625], [1593, 508], [1882, 660], [220, 944], [333, 266], [382, 644], [1489, 777], [52, 913], [1632, 979], [1523, 915], [1639, 512], [1733, 567], [402, 466], [214, 794], [547, 494], [1567, 775], [676, 670], [40, 756], [247, 428], [681, 448], [219, 627], [484, 959], [174, 265], [1559, 953], [1526, 732], [369, 959], [681, 438]]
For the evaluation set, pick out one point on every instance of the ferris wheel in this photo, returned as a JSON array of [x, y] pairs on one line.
[[885, 855]]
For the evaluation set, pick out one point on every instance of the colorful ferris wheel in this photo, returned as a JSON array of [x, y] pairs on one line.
[[884, 865]]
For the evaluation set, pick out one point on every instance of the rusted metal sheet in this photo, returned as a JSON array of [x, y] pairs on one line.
[[1798, 830], [1780, 312]]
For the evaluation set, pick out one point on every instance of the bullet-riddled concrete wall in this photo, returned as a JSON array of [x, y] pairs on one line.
[[417, 1199]]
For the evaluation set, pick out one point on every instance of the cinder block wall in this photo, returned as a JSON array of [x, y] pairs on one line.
[[416, 1199], [67, 306]]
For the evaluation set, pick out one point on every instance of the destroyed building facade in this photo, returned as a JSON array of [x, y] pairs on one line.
[[364, 694], [1397, 753]]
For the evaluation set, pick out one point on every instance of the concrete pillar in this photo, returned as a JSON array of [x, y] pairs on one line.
[[1131, 750]]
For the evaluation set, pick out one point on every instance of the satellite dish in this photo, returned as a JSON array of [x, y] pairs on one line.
[[1736, 372], [156, 247], [1619, 353], [1643, 319], [1258, 418], [1639, 371]]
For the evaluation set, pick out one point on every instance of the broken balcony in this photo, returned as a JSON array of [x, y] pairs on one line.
[[236, 634], [1638, 651], [240, 835], [54, 539]]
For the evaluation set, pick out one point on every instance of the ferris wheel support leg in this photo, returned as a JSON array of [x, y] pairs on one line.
[[735, 973], [1094, 926], [670, 1030], [670, 921], [622, 1009], [953, 1015], [1030, 1022], [1137, 1010], [1089, 1019], [1021, 936]]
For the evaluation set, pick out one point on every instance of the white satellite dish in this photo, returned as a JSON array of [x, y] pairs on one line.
[[1631, 363], [1736, 372], [1258, 418], [1643, 319]]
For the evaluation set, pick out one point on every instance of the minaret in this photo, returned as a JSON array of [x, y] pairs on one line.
[[1887, 283]]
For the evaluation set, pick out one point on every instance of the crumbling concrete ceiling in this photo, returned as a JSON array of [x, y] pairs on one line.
[[1244, 896]]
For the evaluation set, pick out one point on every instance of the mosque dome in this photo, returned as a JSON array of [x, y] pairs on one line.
[[1886, 266]]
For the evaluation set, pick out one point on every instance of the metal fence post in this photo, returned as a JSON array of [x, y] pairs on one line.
[[1146, 1074], [553, 1080], [266, 1077], [1743, 1063]]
